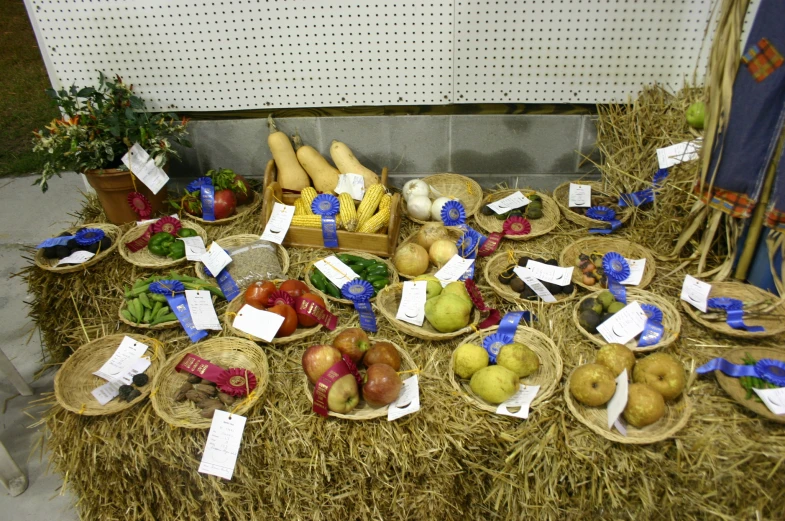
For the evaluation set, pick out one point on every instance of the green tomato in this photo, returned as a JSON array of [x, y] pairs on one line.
[[696, 114]]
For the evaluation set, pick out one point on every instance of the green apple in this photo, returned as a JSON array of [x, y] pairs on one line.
[[695, 114]]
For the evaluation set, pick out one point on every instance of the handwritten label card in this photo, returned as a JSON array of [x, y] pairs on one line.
[[353, 184], [336, 271], [636, 272], [522, 398], [143, 167], [194, 247], [412, 306], [223, 445], [774, 399], [511, 202], [624, 325], [215, 259], [408, 401], [678, 153], [453, 270], [109, 391], [553, 274], [695, 292], [528, 277], [126, 354], [278, 225], [580, 196], [200, 304], [619, 400], [77, 257], [257, 322]]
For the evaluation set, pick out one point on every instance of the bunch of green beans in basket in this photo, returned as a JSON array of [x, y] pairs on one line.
[[751, 382], [151, 309]]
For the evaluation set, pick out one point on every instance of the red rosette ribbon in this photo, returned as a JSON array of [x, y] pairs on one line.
[[281, 297], [140, 205], [325, 383], [236, 382], [311, 309], [494, 317], [167, 224], [140, 242], [517, 225]]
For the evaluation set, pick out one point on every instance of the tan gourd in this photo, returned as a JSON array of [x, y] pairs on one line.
[[291, 175], [348, 164], [322, 173]]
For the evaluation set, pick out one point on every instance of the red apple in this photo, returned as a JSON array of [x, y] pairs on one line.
[[382, 385], [383, 353], [318, 359], [224, 204], [352, 342], [344, 395]]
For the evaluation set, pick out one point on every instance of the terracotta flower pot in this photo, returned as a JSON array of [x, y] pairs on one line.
[[113, 186]]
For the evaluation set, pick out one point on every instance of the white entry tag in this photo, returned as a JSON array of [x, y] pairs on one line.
[[215, 259], [580, 196], [619, 400], [200, 304], [353, 184], [77, 257], [553, 274], [223, 445], [194, 247], [695, 292], [511, 202], [528, 277], [408, 400], [278, 225], [624, 325], [126, 354], [636, 272], [522, 398], [143, 167], [453, 270], [774, 399], [336, 271], [412, 306], [257, 322], [109, 391], [678, 153]]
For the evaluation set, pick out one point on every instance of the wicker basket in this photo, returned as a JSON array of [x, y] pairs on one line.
[[596, 419], [627, 249], [501, 261], [734, 388], [227, 352], [110, 230], [74, 382], [774, 325], [307, 274], [387, 303], [562, 197], [242, 211], [143, 257], [454, 232], [300, 333], [671, 320], [546, 223], [163, 325], [460, 187], [547, 376], [363, 411], [240, 240]]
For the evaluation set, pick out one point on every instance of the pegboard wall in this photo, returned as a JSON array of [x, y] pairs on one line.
[[206, 55]]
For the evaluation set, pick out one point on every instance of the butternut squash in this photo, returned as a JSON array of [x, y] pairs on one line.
[[348, 164], [322, 173], [291, 175]]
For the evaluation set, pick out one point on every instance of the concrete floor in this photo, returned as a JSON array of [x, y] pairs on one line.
[[26, 218]]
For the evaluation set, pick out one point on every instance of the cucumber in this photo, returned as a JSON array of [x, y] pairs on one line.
[[333, 290], [353, 259], [319, 280], [376, 271], [379, 284]]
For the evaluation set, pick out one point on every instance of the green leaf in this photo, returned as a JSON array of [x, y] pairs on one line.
[[85, 92], [52, 93], [129, 114]]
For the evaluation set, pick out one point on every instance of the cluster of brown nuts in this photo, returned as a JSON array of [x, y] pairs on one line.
[[204, 394]]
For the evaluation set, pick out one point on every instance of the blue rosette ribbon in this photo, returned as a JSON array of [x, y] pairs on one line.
[[659, 177], [360, 292], [653, 313], [615, 266], [226, 282], [493, 344], [468, 245], [453, 213], [197, 184], [207, 196], [505, 334], [651, 334], [174, 291], [734, 308], [619, 292], [604, 214], [55, 241], [328, 207], [88, 236], [646, 195], [773, 371]]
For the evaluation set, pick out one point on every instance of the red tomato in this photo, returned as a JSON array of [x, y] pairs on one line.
[[295, 288], [225, 204], [305, 320], [258, 293], [289, 319]]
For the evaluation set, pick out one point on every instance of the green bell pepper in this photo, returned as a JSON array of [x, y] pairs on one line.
[[187, 232], [177, 250], [161, 243]]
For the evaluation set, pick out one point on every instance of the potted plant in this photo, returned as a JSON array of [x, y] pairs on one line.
[[98, 126]]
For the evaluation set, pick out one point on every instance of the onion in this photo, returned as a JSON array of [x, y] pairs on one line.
[[415, 187], [442, 251], [419, 207], [431, 232], [411, 260], [436, 208]]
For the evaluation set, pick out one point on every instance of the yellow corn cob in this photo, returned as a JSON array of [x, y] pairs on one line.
[[299, 207], [348, 211], [313, 221], [385, 202], [377, 222], [369, 204], [308, 194]]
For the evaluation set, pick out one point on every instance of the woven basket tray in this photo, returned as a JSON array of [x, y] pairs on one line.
[[227, 352], [307, 275], [74, 382], [453, 185], [143, 257], [363, 411], [547, 376], [242, 211], [111, 231], [387, 303], [562, 197], [734, 388], [677, 413], [773, 325], [301, 333], [671, 320], [454, 232], [627, 249], [546, 223], [499, 262], [240, 240]]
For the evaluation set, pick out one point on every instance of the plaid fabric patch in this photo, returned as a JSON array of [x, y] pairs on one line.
[[775, 219], [762, 59], [733, 203]]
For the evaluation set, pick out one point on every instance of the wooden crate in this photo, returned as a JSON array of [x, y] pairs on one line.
[[382, 244]]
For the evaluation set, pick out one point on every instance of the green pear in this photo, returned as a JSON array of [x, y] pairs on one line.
[[448, 313], [470, 358], [434, 287], [457, 288], [494, 383], [518, 358]]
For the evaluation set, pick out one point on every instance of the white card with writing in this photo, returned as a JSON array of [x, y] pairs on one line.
[[533, 282], [257, 322], [151, 221], [223, 445], [200, 304], [695, 292], [511, 202], [126, 354], [453, 270], [215, 259], [336, 271], [353, 184], [278, 225], [624, 325], [412, 306], [408, 400], [678, 153], [194, 247], [107, 392], [619, 400], [143, 167], [523, 398], [553, 274], [636, 272], [77, 257], [580, 196], [774, 399]]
